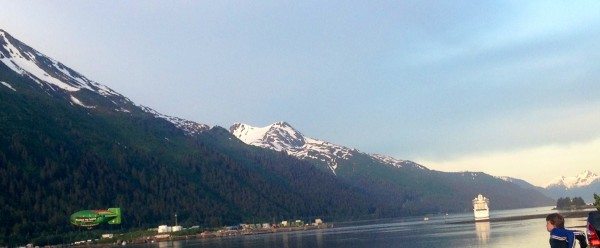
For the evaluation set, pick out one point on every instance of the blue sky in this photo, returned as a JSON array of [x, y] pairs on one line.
[[455, 85]]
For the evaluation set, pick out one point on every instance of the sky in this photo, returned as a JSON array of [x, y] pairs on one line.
[[510, 88]]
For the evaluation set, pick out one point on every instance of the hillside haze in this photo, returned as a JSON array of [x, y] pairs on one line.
[[68, 143]]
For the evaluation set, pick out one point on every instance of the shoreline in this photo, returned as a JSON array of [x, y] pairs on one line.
[[156, 238], [167, 237], [570, 214]]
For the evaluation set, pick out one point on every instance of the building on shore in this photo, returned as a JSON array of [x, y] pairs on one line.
[[318, 222], [168, 229]]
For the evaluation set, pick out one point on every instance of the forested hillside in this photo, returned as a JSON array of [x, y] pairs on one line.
[[56, 158]]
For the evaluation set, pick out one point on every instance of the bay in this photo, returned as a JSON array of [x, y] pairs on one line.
[[437, 231]]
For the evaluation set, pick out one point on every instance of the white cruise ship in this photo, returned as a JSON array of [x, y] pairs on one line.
[[481, 209]]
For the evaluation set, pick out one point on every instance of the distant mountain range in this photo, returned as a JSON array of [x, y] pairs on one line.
[[386, 177], [69, 143], [584, 185]]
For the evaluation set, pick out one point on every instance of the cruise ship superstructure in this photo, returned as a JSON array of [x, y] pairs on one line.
[[481, 209]]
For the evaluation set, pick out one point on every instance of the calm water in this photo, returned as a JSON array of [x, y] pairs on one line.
[[411, 232]]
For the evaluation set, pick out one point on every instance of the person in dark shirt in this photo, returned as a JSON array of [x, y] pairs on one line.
[[561, 237]]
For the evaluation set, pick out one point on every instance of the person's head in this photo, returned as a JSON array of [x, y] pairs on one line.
[[553, 221]]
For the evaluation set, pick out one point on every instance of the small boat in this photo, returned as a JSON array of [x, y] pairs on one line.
[[481, 209]]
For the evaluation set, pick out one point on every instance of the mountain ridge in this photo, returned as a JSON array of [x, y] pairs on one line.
[[582, 179], [584, 185], [281, 136], [58, 79], [384, 177]]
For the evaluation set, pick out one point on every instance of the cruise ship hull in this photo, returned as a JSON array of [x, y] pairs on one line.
[[482, 215], [481, 209]]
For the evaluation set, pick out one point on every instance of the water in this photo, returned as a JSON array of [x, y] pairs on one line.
[[409, 232]]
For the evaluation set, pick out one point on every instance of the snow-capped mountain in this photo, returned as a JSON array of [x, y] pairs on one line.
[[61, 81], [585, 184], [281, 136], [583, 179], [44, 70]]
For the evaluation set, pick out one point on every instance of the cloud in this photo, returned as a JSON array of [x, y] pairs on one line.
[[537, 165]]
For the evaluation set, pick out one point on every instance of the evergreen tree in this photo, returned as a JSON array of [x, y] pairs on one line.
[[578, 202], [563, 203]]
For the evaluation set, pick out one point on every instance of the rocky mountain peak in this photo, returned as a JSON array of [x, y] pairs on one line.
[[281, 136], [277, 136], [582, 179]]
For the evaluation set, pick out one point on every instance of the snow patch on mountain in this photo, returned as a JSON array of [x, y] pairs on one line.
[[512, 180], [505, 178], [583, 179], [26, 63], [124, 110], [78, 102], [190, 127], [395, 162], [54, 76], [7, 85], [281, 136], [43, 69]]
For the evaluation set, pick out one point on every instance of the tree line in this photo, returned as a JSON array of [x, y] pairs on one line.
[[568, 203]]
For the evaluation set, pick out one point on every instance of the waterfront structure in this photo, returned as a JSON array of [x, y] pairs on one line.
[[168, 229], [108, 236], [481, 208], [318, 222], [164, 229]]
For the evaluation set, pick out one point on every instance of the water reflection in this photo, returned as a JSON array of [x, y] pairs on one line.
[[298, 241], [169, 244], [269, 240], [319, 237], [286, 240], [483, 231]]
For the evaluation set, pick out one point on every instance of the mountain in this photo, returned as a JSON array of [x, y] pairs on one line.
[[281, 136], [583, 179], [392, 182], [522, 183], [60, 81], [584, 185], [68, 143]]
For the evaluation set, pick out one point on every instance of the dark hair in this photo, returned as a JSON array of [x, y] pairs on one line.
[[556, 220]]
